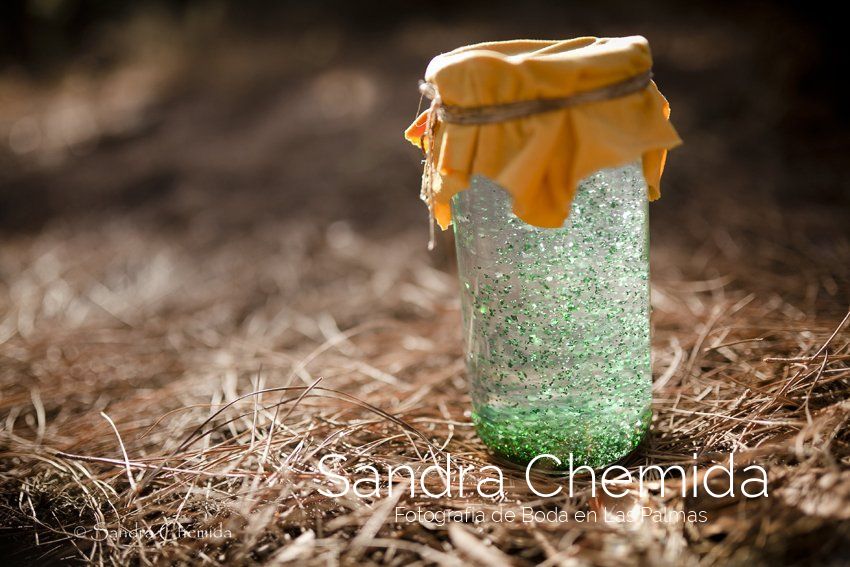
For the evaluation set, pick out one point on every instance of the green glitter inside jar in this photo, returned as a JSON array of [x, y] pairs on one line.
[[556, 321]]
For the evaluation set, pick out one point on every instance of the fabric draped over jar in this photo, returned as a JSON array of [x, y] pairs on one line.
[[541, 158]]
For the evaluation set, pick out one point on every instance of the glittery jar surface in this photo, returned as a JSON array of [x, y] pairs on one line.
[[556, 321]]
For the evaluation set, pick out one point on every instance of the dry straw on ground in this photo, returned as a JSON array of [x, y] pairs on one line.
[[139, 394]]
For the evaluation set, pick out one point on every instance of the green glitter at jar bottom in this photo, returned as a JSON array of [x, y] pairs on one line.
[[595, 436]]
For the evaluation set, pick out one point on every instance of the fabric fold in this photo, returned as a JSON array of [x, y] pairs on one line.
[[540, 159]]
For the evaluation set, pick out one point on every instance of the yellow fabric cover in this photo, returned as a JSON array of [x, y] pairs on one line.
[[540, 159]]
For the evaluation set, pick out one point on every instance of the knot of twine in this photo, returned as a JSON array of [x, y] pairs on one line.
[[491, 114]]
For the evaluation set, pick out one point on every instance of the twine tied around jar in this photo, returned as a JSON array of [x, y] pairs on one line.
[[467, 116]]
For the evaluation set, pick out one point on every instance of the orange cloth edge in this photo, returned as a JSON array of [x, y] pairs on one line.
[[541, 159]]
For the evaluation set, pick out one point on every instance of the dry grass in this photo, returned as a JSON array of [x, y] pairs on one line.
[[227, 382]]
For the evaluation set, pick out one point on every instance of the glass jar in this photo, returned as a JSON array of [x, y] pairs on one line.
[[556, 321]]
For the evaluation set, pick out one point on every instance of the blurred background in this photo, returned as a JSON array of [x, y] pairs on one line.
[[250, 112]]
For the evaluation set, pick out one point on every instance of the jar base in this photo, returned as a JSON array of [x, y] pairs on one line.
[[594, 437]]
